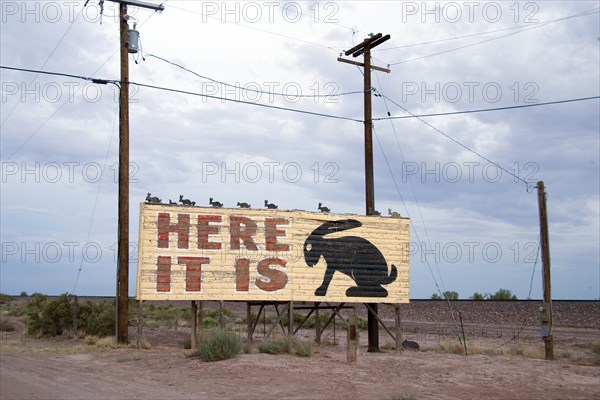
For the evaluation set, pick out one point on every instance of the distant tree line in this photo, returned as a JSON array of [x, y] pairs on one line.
[[501, 294]]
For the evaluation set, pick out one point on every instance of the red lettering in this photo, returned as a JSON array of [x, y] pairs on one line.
[[244, 234], [204, 230], [242, 274], [181, 228], [271, 233], [276, 279], [163, 274], [193, 272]]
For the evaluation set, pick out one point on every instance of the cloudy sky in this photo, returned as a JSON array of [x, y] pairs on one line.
[[467, 180]]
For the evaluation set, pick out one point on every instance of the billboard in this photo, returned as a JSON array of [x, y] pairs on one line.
[[201, 253]]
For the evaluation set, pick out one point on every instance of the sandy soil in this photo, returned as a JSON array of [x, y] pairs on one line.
[[64, 370], [67, 369]]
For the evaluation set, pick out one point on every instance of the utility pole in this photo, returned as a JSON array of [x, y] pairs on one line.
[[123, 235], [546, 310], [123, 224], [364, 48]]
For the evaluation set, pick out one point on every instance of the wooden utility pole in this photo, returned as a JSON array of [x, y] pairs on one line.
[[123, 219], [123, 235], [364, 48], [546, 327]]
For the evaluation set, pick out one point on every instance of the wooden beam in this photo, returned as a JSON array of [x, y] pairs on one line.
[[344, 60]]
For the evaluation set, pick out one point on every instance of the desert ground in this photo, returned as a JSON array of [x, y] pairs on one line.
[[500, 364]]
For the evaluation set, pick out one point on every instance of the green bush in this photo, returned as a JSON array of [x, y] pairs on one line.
[[165, 314], [55, 317], [503, 294], [286, 345], [447, 295], [478, 296], [219, 345], [49, 317], [362, 324], [227, 313], [275, 347], [4, 298], [210, 322], [97, 318]]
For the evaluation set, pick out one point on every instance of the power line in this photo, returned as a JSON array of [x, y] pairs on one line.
[[585, 13], [84, 78], [462, 145], [35, 132], [451, 38], [77, 91], [89, 233], [315, 18], [481, 33], [337, 49], [44, 64], [245, 102], [103, 81], [252, 90], [482, 109], [417, 235], [413, 192]]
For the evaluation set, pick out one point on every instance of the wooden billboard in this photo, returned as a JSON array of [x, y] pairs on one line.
[[200, 253]]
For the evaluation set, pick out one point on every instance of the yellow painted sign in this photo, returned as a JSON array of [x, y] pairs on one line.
[[200, 253]]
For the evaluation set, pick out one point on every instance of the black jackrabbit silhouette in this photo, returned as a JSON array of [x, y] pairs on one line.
[[351, 255], [270, 206], [215, 204], [150, 199], [243, 204], [186, 202], [322, 208]]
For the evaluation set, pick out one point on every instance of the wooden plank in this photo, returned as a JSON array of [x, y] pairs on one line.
[[352, 340]]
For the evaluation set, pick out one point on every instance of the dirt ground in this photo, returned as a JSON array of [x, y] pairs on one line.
[[66, 369]]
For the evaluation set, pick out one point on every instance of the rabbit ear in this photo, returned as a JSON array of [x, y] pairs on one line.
[[337, 226]]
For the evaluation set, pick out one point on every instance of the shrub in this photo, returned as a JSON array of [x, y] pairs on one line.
[[107, 342], [303, 348], [4, 298], [210, 322], [219, 345], [49, 317], [7, 326], [186, 343], [286, 345], [451, 347], [447, 295], [312, 320], [275, 347], [503, 294], [478, 296], [361, 323], [97, 318]]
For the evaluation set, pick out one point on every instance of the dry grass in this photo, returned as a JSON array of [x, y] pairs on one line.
[[520, 350]]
